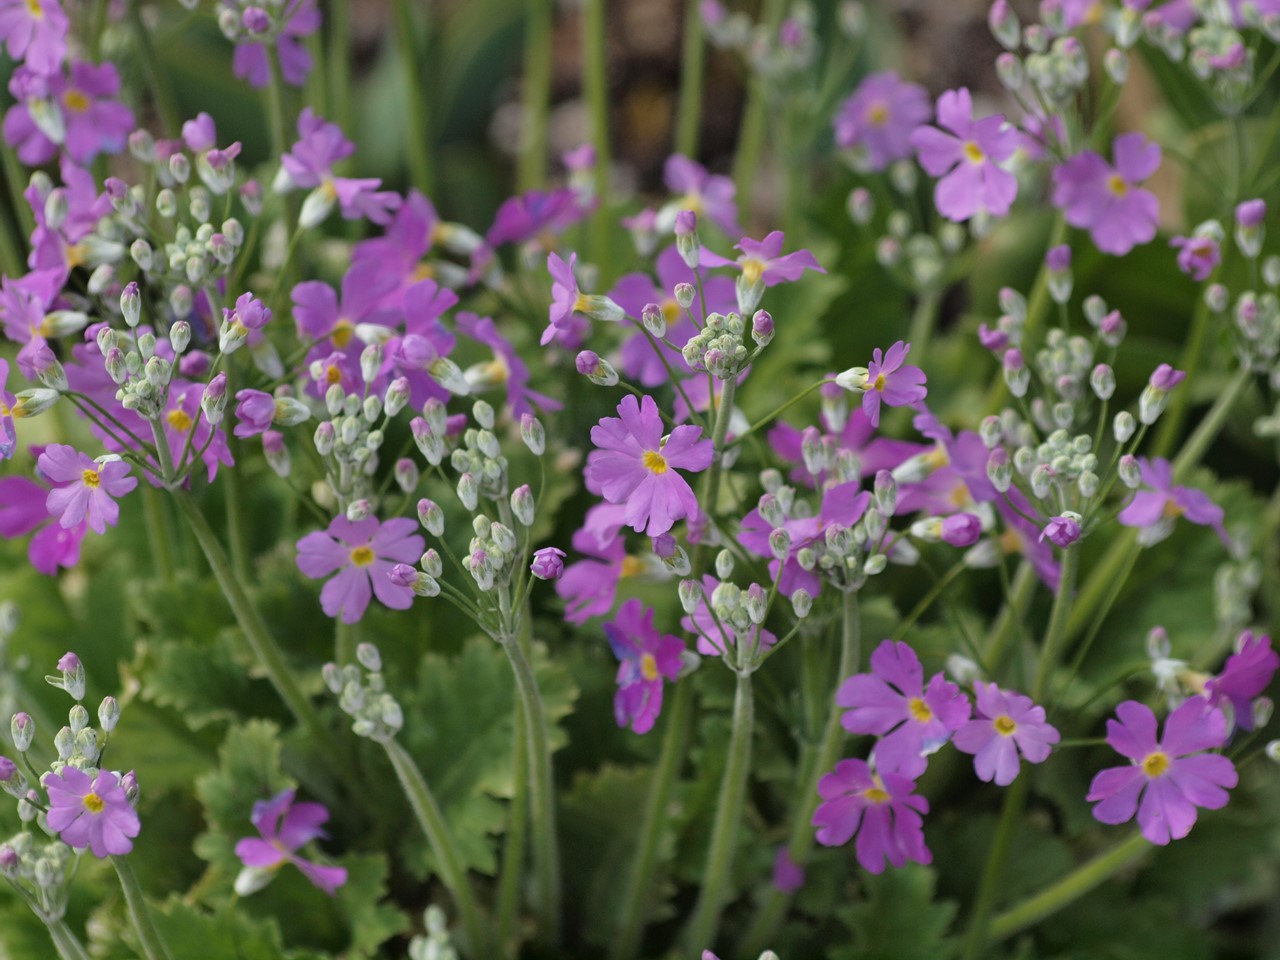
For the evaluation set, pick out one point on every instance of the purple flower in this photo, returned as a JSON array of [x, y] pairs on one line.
[[1165, 377], [91, 812], [636, 465], [534, 214], [961, 529], [1197, 256], [22, 510], [548, 563], [8, 432], [506, 369], [715, 635], [1105, 200], [890, 382], [591, 584], [87, 119], [1158, 507], [255, 410], [788, 876], [285, 827], [893, 703], [566, 302], [362, 553], [1061, 531], [86, 488], [646, 657], [762, 261], [1167, 779], [880, 807], [1251, 213], [1246, 674], [967, 159], [7, 769], [34, 31], [310, 165], [1005, 725], [1058, 259], [880, 117], [706, 195], [300, 18]]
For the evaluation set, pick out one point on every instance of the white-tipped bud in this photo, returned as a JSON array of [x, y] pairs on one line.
[[469, 490], [724, 564], [1123, 427], [652, 319], [533, 435], [801, 603]]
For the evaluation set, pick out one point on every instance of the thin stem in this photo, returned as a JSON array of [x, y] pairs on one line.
[[67, 943], [149, 940], [546, 853], [340, 62], [778, 411], [536, 92], [927, 600], [449, 862], [1014, 799], [418, 121], [16, 180], [923, 319], [595, 84], [159, 534], [1059, 616], [1192, 354], [724, 833], [692, 57], [1207, 431], [160, 89], [275, 105], [513, 843], [231, 491], [755, 119], [711, 482]]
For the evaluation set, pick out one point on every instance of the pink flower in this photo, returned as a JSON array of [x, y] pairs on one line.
[[1061, 531], [255, 412], [8, 433], [788, 876], [967, 159], [566, 302], [363, 554], [1245, 676], [880, 117], [881, 808], [1197, 256], [1167, 779], [87, 118], [636, 465], [1006, 725], [298, 18], [91, 812], [310, 163], [890, 382], [646, 658], [22, 509], [534, 214], [548, 563], [34, 31], [893, 703], [285, 827], [1158, 507], [1105, 200], [707, 195], [762, 260], [86, 488]]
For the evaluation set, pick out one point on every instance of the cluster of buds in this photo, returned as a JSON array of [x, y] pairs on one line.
[[134, 360], [41, 870], [78, 744], [917, 259], [435, 943], [493, 552], [362, 694], [719, 346], [478, 460], [348, 442], [729, 618]]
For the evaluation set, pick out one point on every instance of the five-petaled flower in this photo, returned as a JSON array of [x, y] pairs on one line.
[[882, 808], [646, 657], [1106, 200], [968, 159], [363, 554], [285, 827], [86, 488], [1154, 510], [1006, 724], [91, 812]]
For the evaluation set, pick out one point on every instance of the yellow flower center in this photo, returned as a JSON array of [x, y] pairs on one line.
[[752, 270], [179, 420], [973, 153], [936, 458], [34, 8], [582, 304], [878, 114], [362, 556], [75, 101], [919, 710], [654, 462], [692, 202], [670, 310], [332, 374], [496, 371], [1171, 510], [343, 331], [632, 566], [93, 803], [76, 255], [1010, 542], [1117, 186], [878, 385], [425, 270], [1156, 764], [1004, 725], [876, 793], [44, 328], [959, 495], [329, 189], [648, 667], [91, 479]]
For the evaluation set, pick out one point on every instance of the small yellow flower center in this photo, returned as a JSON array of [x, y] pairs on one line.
[[693, 202], [1004, 725], [179, 420], [93, 803], [876, 793], [752, 270], [878, 114], [936, 458], [75, 101], [425, 270], [44, 328], [496, 371], [1117, 186], [919, 710], [91, 479], [654, 462], [1156, 764], [959, 495], [362, 556], [329, 190], [1010, 542], [582, 304], [343, 331], [973, 153], [332, 374], [34, 8], [76, 255], [878, 384], [670, 310], [1171, 510], [632, 566], [648, 667]]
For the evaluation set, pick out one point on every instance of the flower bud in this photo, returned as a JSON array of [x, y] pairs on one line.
[[961, 529], [431, 517], [685, 294], [1130, 471], [690, 595], [780, 543], [886, 493], [108, 714], [652, 319], [1123, 427], [276, 453], [22, 730], [1103, 381], [358, 510], [533, 435], [724, 564], [1004, 26], [548, 563], [999, 469], [596, 369], [875, 564], [801, 603], [522, 504], [469, 490], [762, 328], [131, 304]]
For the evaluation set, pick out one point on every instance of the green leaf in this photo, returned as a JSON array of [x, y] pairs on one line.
[[898, 918], [233, 935], [203, 680]]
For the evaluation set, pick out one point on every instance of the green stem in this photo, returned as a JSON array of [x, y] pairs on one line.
[[1007, 624], [692, 57], [1207, 430], [539, 56], [1014, 799], [1066, 891], [10, 249], [927, 600], [923, 319], [67, 943], [1192, 354], [595, 84], [235, 519], [711, 482], [639, 893], [16, 180], [159, 534], [418, 121], [513, 842], [714, 890], [275, 106], [1059, 616], [149, 940], [755, 119], [779, 411], [542, 813], [449, 862], [340, 63], [160, 89], [1116, 586]]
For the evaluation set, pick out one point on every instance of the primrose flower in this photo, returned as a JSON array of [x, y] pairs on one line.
[[1154, 510], [284, 828], [879, 118], [548, 563], [1245, 676], [310, 165], [567, 301], [534, 215], [255, 412], [80, 113], [1197, 255], [362, 553], [1061, 531], [1106, 200], [300, 18], [506, 369], [34, 32], [636, 465], [1167, 779], [22, 510], [645, 657], [886, 379], [86, 488], [91, 812], [762, 261], [705, 194], [1006, 724], [8, 433], [968, 159], [893, 703], [882, 808]]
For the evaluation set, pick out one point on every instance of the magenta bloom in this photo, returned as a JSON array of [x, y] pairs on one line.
[[637, 466], [967, 159], [707, 195], [788, 876], [881, 808], [506, 369], [1246, 675], [880, 117], [1166, 779], [34, 31], [1158, 507], [301, 18], [310, 164], [645, 658], [91, 812], [286, 827], [8, 433], [566, 302], [362, 553], [22, 510], [1197, 256], [1006, 724], [893, 703], [762, 260], [548, 563], [86, 488], [255, 412], [1061, 531], [1105, 200], [531, 215], [88, 119], [890, 382]]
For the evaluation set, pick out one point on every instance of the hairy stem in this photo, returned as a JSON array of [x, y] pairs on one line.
[[149, 940]]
